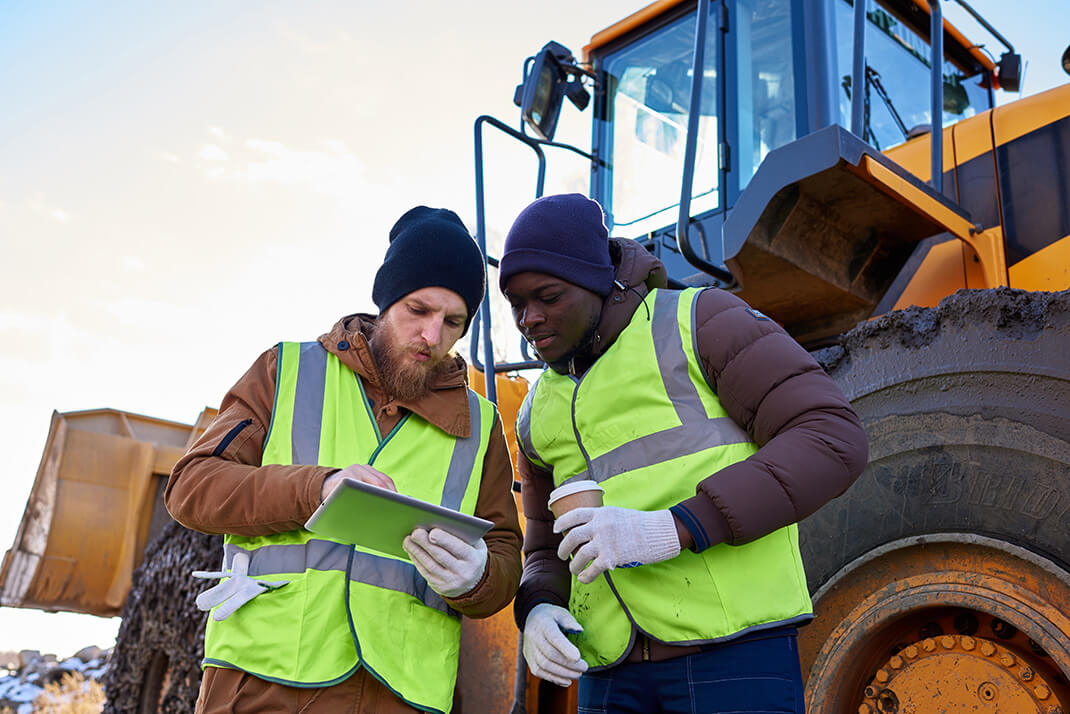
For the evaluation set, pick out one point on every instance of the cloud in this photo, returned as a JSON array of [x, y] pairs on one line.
[[133, 263], [212, 152], [166, 156], [40, 205], [150, 315], [331, 170]]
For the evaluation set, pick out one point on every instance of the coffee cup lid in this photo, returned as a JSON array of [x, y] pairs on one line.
[[574, 487]]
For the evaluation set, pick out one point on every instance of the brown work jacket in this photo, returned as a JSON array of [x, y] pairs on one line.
[[220, 486], [811, 443]]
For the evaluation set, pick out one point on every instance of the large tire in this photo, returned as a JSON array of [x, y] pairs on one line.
[[967, 409], [156, 664]]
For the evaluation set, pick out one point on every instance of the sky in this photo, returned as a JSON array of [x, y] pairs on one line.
[[184, 184]]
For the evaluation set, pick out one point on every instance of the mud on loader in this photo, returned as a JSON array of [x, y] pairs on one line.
[[923, 256]]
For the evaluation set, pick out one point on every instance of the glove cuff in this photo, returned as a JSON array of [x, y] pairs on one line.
[[661, 536]]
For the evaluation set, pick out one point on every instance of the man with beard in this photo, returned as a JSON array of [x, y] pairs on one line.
[[711, 433], [305, 623]]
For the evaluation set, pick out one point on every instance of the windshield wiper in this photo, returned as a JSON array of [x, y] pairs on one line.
[[873, 79]]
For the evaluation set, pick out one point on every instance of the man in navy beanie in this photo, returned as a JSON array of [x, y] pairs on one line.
[[710, 433], [380, 399]]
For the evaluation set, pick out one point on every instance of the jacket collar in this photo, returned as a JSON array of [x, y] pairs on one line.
[[445, 406], [636, 273]]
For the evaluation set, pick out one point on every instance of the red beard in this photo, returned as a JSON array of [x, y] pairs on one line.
[[402, 376]]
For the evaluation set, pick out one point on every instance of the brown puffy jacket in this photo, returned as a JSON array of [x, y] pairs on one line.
[[220, 486], [812, 445]]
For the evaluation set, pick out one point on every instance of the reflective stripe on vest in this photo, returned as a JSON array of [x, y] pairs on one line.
[[645, 423], [324, 555], [697, 432], [348, 607]]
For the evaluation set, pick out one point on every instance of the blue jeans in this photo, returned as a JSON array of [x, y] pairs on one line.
[[756, 675]]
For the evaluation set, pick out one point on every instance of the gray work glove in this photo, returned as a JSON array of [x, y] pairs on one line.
[[235, 591], [548, 652], [449, 565], [600, 539]]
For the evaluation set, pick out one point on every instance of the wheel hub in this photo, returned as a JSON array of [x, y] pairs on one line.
[[957, 673]]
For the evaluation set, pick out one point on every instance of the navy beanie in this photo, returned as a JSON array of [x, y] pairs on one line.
[[430, 247], [564, 236]]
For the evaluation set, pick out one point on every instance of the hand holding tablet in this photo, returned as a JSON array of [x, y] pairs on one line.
[[357, 472]]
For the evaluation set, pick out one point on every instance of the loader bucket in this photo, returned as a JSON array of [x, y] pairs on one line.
[[96, 502], [824, 228]]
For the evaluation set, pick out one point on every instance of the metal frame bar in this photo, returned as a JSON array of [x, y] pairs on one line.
[[858, 71], [936, 43], [683, 221], [481, 236]]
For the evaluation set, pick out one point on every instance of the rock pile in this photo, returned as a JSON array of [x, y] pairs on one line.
[[24, 676]]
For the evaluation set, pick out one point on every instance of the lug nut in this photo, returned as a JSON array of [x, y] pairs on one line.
[[988, 649], [947, 641], [1041, 692], [968, 643], [882, 676], [896, 662], [1026, 674], [928, 645], [1006, 659], [911, 651]]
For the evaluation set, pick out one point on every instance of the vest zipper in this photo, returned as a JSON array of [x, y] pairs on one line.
[[368, 408], [575, 428]]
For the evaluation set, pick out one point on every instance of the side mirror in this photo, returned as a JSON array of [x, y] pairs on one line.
[[1066, 60], [553, 75], [1009, 71]]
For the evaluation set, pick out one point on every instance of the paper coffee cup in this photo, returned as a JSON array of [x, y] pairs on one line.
[[577, 494]]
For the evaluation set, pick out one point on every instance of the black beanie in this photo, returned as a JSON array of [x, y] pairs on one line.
[[430, 247], [564, 236]]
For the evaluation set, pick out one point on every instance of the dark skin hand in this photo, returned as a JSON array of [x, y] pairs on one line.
[[556, 317]]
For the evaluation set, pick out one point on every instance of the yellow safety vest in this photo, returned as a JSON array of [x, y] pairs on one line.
[[645, 424], [345, 606]]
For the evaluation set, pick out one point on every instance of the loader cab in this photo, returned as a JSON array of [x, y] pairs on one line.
[[774, 71]]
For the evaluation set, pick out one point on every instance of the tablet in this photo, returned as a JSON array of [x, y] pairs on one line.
[[377, 518]]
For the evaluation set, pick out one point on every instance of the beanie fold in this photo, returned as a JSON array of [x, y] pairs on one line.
[[430, 247], [564, 236]]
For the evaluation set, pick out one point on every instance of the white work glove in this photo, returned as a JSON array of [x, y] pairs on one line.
[[548, 652], [449, 565], [235, 591], [601, 539]]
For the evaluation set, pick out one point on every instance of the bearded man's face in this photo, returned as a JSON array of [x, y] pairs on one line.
[[413, 340]]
